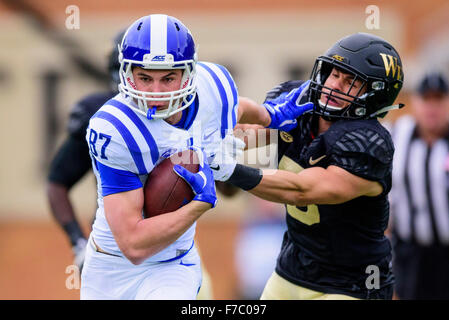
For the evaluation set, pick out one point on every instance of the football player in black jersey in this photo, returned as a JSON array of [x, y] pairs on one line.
[[72, 161], [336, 167]]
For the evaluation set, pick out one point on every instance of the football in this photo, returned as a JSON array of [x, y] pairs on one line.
[[165, 191]]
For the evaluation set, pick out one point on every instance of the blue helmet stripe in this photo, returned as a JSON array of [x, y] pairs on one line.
[[127, 137], [224, 100], [140, 125], [234, 92]]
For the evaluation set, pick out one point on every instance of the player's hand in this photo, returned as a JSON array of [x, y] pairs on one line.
[[79, 252], [202, 182], [224, 159], [284, 111]]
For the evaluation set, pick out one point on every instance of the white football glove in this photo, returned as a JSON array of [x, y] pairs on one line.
[[79, 251], [224, 157]]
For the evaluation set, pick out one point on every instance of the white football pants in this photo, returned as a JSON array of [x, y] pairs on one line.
[[106, 277]]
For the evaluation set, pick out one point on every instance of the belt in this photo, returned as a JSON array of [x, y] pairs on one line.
[[98, 249]]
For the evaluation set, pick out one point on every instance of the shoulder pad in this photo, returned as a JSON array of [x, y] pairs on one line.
[[109, 147], [118, 138], [226, 93], [352, 137], [361, 148], [83, 110]]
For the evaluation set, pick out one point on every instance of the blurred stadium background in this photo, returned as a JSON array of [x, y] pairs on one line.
[[45, 68]]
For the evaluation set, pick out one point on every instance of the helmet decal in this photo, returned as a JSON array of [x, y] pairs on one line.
[[391, 64]]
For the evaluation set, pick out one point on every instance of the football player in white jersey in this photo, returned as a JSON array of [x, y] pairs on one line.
[[167, 102]]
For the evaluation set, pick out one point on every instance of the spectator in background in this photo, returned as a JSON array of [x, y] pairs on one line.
[[420, 194]]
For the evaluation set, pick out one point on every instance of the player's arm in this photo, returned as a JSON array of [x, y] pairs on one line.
[[255, 121], [250, 112], [69, 165], [62, 211], [139, 238], [280, 113], [314, 186], [123, 198], [252, 123], [355, 168], [253, 135]]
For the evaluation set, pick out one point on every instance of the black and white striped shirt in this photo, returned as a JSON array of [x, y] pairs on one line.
[[420, 193]]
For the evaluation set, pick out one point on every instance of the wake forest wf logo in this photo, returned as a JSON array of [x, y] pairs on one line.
[[391, 66]]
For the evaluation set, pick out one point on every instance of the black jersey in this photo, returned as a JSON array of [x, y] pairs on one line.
[[329, 248], [72, 160]]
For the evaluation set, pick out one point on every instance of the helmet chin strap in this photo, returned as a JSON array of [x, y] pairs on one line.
[[380, 111], [387, 108]]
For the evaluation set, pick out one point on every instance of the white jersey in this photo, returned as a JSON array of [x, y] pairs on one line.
[[125, 146]]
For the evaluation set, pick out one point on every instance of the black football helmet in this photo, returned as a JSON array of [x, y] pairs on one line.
[[368, 58], [113, 63]]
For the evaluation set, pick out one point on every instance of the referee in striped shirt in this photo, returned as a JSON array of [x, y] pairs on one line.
[[420, 194]]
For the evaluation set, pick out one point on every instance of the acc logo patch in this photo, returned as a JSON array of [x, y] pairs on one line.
[[287, 137], [337, 57], [158, 58]]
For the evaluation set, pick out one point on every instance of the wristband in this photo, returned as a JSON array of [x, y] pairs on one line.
[[74, 232], [245, 178]]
